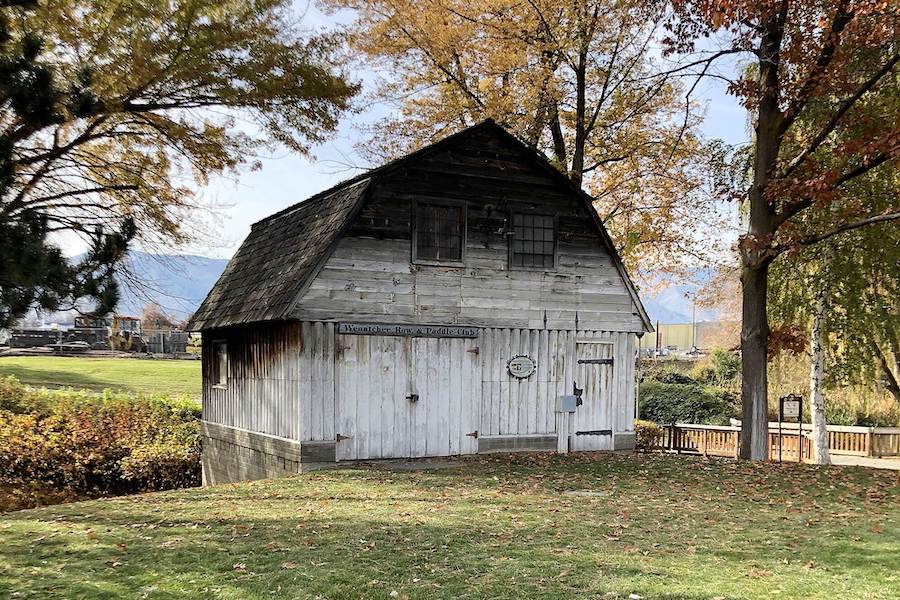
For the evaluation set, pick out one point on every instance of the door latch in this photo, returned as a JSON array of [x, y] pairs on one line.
[[413, 397], [473, 434]]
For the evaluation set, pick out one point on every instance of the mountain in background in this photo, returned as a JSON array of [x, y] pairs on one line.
[[178, 283], [674, 304]]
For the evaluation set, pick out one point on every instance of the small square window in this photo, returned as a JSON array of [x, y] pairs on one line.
[[533, 244], [439, 232], [219, 364]]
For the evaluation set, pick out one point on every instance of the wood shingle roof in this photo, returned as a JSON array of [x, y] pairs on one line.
[[281, 252]]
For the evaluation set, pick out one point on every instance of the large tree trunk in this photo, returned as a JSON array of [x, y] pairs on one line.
[[754, 350], [756, 250], [821, 456]]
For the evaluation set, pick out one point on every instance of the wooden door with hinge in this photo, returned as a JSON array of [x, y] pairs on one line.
[[594, 375], [406, 396], [372, 385]]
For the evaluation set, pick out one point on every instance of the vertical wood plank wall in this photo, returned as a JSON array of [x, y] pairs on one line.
[[513, 406], [282, 380], [262, 392]]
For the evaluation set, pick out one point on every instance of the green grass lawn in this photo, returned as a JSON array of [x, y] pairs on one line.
[[579, 526], [152, 376]]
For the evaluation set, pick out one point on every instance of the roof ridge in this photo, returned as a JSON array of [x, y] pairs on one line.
[[371, 173]]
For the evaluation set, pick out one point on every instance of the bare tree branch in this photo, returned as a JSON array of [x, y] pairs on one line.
[[838, 114]]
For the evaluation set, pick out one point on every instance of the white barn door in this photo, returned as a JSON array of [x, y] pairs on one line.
[[405, 397], [594, 375]]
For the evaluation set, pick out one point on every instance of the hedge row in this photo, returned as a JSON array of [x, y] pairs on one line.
[[686, 402], [78, 444]]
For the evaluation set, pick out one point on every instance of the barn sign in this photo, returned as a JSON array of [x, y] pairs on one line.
[[439, 331], [521, 366]]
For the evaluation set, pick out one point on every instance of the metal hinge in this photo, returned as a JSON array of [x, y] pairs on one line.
[[473, 434], [474, 350], [340, 438], [595, 361]]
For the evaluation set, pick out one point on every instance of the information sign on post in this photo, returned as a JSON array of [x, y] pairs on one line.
[[790, 407]]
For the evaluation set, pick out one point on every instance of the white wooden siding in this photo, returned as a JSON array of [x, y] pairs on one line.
[[372, 279], [375, 374], [316, 367], [262, 388], [284, 380]]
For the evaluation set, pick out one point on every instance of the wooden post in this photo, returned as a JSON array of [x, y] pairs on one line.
[[705, 440], [869, 441]]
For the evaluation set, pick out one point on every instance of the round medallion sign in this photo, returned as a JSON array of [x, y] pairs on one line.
[[521, 366]]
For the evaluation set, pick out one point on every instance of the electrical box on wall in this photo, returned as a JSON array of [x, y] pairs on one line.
[[566, 404]]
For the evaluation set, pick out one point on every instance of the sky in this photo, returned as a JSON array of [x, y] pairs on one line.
[[287, 178]]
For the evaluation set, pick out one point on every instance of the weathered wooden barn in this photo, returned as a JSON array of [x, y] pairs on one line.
[[465, 298]]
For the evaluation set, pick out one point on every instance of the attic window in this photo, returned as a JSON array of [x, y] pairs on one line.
[[533, 242], [439, 233]]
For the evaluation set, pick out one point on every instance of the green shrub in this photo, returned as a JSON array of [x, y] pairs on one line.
[[725, 365], [88, 445], [647, 435], [667, 403], [721, 367], [675, 377]]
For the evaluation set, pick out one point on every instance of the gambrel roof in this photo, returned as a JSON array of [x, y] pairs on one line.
[[284, 251]]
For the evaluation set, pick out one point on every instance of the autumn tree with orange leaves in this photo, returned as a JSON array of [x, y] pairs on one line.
[[579, 81], [823, 91]]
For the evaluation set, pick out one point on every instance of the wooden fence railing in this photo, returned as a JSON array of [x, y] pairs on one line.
[[714, 440]]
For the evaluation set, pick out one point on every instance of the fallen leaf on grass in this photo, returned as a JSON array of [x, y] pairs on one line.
[[241, 567], [759, 573], [240, 530], [288, 565]]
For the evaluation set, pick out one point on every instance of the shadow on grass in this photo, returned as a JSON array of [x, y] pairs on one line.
[[52, 378], [477, 531]]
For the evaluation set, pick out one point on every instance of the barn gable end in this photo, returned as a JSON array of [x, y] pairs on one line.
[[370, 273], [277, 273]]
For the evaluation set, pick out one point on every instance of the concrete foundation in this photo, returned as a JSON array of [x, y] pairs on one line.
[[231, 454]]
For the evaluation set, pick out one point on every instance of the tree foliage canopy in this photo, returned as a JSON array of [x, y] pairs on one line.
[[576, 80], [113, 112], [822, 88]]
